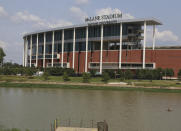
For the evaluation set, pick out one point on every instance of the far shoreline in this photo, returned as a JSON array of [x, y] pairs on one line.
[[87, 86]]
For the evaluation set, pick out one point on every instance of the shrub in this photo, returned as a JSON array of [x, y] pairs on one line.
[[93, 73], [105, 77], [55, 71], [65, 76], [45, 76], [122, 75], [86, 77], [168, 72], [111, 73], [128, 74], [179, 74], [69, 71]]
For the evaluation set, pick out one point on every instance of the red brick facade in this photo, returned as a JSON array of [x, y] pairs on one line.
[[164, 58]]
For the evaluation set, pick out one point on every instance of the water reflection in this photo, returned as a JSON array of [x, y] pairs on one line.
[[126, 111]]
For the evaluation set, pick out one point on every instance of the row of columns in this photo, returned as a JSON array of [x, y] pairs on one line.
[[25, 51]]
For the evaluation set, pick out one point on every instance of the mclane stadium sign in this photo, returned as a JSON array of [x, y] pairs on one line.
[[104, 19]]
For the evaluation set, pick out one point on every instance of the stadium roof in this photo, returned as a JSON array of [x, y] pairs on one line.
[[149, 21]]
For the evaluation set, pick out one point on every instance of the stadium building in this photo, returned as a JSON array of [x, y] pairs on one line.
[[103, 42]]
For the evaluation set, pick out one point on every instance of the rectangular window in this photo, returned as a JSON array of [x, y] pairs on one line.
[[94, 31], [80, 46], [48, 49], [58, 35], [68, 34], [68, 47], [49, 37], [34, 39], [40, 38], [80, 33]]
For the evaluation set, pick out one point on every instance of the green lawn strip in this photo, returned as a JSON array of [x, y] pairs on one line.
[[87, 87]]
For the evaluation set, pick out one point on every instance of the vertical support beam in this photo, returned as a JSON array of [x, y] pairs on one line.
[[73, 61], [154, 36], [144, 45], [62, 48], [44, 50], [86, 53], [31, 51], [101, 49], [53, 43], [37, 50], [24, 54], [120, 47]]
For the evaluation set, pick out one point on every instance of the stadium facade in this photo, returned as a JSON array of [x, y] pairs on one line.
[[111, 43]]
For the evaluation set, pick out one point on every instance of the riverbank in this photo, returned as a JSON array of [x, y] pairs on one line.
[[94, 84], [88, 86]]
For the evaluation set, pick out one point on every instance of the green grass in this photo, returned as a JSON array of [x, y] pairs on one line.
[[85, 87], [96, 80]]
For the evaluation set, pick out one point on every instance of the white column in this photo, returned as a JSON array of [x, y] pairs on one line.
[[154, 36], [30, 50], [73, 61], [120, 47], [101, 49], [86, 53], [62, 48], [44, 50], [53, 43], [37, 50], [144, 45], [24, 53]]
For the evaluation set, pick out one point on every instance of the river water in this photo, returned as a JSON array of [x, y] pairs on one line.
[[35, 109]]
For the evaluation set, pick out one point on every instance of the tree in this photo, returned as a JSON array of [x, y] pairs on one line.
[[93, 73], [140, 74], [2, 55], [179, 74], [105, 77], [122, 75], [168, 72], [86, 77], [65, 76], [45, 76], [128, 74]]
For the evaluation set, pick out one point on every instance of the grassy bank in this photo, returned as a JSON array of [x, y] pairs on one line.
[[85, 87]]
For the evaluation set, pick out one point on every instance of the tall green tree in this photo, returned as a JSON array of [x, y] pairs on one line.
[[179, 74], [2, 55]]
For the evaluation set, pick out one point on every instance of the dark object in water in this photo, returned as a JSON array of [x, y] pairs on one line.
[[169, 110]]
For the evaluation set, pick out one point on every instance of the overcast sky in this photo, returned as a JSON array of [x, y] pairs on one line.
[[18, 17]]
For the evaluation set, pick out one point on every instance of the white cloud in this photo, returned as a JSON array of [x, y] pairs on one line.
[[81, 1], [162, 36], [3, 44], [26, 17], [59, 23], [78, 13], [166, 36], [2, 11], [107, 11]]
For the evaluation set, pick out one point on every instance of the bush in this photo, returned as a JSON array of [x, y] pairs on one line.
[[128, 74], [168, 72], [179, 74], [86, 77], [65, 76], [105, 77], [55, 71], [111, 73], [93, 73], [45, 76], [69, 71]]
